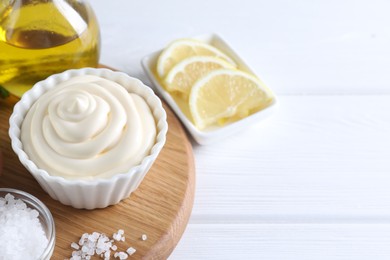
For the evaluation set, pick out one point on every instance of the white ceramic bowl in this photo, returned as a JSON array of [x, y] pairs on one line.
[[211, 134], [96, 193]]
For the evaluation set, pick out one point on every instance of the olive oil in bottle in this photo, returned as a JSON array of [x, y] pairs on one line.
[[42, 37]]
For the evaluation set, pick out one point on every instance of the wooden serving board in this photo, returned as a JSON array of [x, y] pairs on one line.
[[159, 208]]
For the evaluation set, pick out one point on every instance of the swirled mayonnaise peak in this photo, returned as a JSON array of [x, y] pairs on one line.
[[88, 127]]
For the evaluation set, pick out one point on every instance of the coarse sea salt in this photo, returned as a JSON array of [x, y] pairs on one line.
[[98, 244], [21, 233]]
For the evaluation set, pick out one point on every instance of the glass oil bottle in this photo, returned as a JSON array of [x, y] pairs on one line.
[[43, 37]]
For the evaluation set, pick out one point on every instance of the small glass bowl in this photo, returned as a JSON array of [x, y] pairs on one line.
[[45, 217]]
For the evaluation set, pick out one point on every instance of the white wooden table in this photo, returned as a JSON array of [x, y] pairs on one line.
[[311, 182]]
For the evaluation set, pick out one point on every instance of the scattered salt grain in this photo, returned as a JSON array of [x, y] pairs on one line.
[[119, 236], [85, 249], [121, 255], [75, 246], [22, 235], [131, 251], [91, 244], [144, 237], [100, 245]]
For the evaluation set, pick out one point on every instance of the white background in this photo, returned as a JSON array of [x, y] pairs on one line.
[[312, 181]]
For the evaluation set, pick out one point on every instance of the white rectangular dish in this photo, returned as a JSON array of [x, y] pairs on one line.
[[210, 134]]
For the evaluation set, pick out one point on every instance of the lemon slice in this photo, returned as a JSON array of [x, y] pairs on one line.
[[226, 95], [183, 75], [185, 48]]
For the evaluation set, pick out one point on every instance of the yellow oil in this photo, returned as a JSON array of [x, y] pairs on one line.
[[40, 38]]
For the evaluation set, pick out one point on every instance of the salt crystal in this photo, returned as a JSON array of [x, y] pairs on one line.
[[75, 246], [100, 251], [119, 236], [121, 255], [33, 213], [83, 238], [144, 237], [103, 238], [10, 198], [21, 230], [85, 248], [95, 235], [116, 237], [101, 245], [131, 250], [91, 251]]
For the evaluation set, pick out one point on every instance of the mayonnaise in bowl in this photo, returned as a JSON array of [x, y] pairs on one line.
[[88, 127]]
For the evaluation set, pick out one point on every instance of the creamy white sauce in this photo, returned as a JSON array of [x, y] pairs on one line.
[[88, 127]]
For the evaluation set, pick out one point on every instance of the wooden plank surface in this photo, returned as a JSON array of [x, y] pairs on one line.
[[159, 208], [285, 241], [294, 46], [317, 157], [312, 182]]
